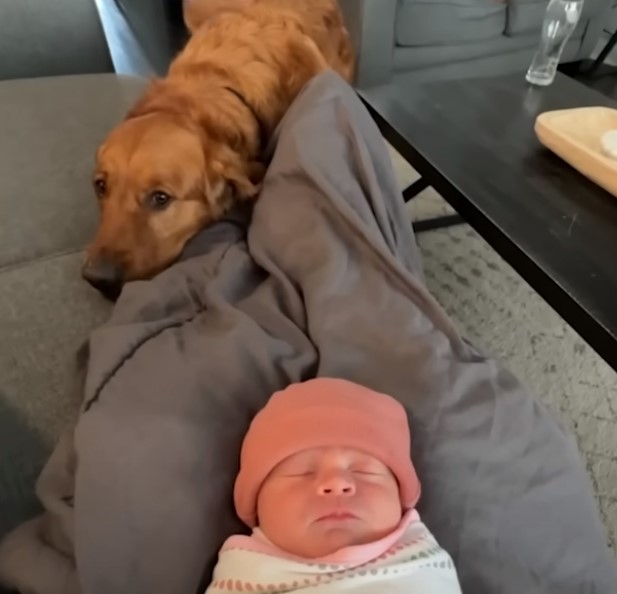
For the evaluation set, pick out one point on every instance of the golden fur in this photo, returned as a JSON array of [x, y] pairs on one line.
[[196, 135]]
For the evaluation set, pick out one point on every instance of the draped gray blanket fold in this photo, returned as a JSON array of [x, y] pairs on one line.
[[325, 279]]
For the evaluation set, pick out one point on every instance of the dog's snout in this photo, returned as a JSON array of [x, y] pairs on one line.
[[105, 275]]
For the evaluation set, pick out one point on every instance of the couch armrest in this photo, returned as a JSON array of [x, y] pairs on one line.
[[159, 28], [371, 26], [51, 38]]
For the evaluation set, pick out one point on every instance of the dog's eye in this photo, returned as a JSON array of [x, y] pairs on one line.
[[100, 187], [159, 200]]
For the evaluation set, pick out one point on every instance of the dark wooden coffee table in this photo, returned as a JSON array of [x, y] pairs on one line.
[[474, 142]]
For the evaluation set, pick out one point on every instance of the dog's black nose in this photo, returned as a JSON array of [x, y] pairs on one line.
[[104, 275]]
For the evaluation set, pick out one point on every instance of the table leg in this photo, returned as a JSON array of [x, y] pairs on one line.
[[414, 189], [429, 224], [602, 56], [438, 223]]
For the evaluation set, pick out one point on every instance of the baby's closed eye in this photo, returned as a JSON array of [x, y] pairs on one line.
[[298, 471], [369, 469]]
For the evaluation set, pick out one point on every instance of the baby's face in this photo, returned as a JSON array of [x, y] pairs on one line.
[[323, 499]]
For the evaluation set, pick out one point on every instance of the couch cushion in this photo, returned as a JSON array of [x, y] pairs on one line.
[[46, 155], [49, 130], [46, 313], [408, 58], [526, 16], [515, 60], [437, 22]]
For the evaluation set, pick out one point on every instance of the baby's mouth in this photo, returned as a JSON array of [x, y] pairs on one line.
[[337, 516]]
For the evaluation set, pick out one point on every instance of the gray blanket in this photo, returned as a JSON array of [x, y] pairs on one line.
[[324, 281]]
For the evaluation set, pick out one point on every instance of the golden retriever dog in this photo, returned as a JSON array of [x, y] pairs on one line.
[[193, 145]]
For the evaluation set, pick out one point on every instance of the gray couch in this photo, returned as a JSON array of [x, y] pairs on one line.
[[440, 39], [413, 39], [47, 215], [50, 127], [50, 130], [49, 38]]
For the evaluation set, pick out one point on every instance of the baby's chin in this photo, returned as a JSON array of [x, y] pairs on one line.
[[330, 542]]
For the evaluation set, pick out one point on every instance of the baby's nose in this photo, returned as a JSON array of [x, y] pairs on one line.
[[339, 484]]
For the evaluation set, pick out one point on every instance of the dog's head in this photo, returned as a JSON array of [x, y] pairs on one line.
[[173, 166]]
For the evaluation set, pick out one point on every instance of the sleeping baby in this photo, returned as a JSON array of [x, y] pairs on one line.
[[328, 487]]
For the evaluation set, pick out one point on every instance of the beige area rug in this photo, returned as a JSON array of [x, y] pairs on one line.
[[497, 310]]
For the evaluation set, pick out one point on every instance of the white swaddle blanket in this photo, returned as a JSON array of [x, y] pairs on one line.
[[408, 561]]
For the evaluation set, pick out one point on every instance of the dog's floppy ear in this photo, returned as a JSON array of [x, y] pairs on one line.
[[228, 132]]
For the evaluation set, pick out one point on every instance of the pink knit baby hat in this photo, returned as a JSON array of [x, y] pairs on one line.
[[324, 413]]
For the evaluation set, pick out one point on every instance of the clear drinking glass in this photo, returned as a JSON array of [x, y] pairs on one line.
[[560, 20]]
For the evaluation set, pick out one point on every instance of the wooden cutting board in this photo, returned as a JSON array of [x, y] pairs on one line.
[[575, 135]]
